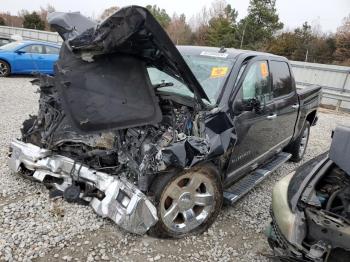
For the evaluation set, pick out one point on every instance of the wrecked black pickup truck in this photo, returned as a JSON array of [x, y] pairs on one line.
[[154, 136], [311, 207]]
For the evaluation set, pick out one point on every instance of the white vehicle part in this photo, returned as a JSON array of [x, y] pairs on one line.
[[124, 203]]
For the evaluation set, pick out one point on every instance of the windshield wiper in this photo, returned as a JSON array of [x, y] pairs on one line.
[[163, 84]]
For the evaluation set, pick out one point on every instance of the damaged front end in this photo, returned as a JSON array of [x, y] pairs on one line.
[[112, 197], [103, 134], [311, 208]]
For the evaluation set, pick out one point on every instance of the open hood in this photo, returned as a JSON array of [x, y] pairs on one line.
[[131, 30], [101, 74]]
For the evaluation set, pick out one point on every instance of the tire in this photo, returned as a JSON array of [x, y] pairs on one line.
[[191, 200], [298, 147], [5, 69]]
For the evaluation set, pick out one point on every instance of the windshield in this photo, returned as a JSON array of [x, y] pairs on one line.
[[11, 46], [210, 71]]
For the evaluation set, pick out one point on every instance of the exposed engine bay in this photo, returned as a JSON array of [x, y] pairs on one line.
[[112, 171], [334, 193], [328, 225], [313, 224], [132, 152]]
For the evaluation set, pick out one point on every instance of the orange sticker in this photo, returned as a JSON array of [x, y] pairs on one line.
[[264, 70], [218, 72]]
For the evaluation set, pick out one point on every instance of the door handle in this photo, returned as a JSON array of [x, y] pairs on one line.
[[295, 106], [271, 117]]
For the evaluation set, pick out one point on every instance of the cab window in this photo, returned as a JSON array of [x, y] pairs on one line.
[[34, 49], [256, 83], [282, 80]]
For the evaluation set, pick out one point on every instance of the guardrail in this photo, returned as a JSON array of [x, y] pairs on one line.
[[334, 80], [30, 34]]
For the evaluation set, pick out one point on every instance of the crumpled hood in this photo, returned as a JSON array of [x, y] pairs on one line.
[[101, 76], [69, 25], [131, 30]]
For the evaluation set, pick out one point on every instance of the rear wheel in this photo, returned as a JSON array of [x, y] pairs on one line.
[[187, 203], [4, 69], [298, 147]]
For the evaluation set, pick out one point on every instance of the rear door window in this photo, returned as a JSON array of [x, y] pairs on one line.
[[34, 49], [50, 50], [282, 80]]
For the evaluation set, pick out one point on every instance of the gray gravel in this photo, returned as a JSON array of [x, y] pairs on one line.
[[33, 227]]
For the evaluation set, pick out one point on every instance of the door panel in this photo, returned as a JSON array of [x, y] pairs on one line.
[[51, 56], [255, 132], [286, 100], [255, 128], [31, 60]]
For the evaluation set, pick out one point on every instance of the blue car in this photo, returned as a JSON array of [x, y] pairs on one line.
[[28, 57]]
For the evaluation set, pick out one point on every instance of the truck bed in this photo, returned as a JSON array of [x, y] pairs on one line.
[[308, 92]]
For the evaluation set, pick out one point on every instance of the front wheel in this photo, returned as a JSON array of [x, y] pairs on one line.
[[298, 147], [4, 69], [187, 203]]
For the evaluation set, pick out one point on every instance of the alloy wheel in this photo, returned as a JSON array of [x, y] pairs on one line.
[[187, 202], [4, 70]]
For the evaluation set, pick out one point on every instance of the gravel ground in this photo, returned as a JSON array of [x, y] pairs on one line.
[[33, 227]]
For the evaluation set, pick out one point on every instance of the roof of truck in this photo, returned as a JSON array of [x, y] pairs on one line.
[[230, 52]]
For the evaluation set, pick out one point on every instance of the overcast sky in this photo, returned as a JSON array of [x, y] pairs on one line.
[[327, 13]]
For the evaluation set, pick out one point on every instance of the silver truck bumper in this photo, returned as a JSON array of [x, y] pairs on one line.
[[124, 203]]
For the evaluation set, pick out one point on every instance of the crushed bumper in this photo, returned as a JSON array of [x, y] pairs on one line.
[[123, 202]]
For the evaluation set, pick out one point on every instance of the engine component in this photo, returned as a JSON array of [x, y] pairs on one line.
[[138, 152], [72, 193]]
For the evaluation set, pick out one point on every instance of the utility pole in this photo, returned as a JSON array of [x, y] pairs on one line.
[[306, 55], [242, 39]]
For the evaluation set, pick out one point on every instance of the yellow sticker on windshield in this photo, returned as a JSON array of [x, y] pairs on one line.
[[218, 72], [264, 70]]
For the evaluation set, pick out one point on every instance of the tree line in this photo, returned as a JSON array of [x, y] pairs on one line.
[[261, 30]]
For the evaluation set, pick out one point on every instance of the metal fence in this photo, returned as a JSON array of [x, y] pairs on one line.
[[30, 34], [335, 80]]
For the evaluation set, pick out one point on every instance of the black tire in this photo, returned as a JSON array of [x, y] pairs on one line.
[[298, 147], [5, 69], [162, 184]]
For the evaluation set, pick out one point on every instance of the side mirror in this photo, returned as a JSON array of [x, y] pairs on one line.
[[20, 52], [248, 105]]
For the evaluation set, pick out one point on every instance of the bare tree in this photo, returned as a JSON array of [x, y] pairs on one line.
[[342, 53], [12, 20], [44, 11], [179, 31], [218, 8], [200, 19], [109, 11]]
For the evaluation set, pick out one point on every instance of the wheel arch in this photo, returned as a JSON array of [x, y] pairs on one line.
[[159, 186], [312, 117], [7, 61], [174, 170]]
